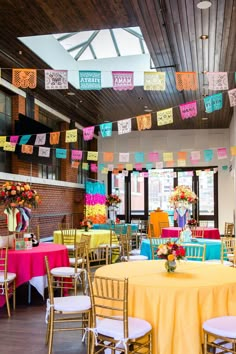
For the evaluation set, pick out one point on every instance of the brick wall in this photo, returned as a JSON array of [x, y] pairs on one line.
[[59, 204]]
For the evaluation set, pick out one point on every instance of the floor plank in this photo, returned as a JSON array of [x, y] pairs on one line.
[[25, 331]]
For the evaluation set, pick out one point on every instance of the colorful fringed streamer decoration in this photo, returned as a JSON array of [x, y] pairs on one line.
[[95, 199], [188, 110]]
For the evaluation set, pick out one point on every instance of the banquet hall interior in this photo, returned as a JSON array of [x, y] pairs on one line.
[[121, 98]]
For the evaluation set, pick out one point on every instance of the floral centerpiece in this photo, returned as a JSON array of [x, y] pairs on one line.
[[182, 194], [192, 222], [112, 200], [171, 252], [15, 194], [87, 224]]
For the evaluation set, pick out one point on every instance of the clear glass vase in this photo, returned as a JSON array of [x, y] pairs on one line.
[[170, 266]]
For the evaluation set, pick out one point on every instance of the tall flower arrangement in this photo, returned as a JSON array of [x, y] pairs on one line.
[[14, 194], [182, 194], [112, 199]]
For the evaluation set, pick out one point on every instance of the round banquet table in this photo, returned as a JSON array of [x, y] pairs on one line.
[[176, 304], [209, 232], [29, 265], [98, 237], [213, 247]]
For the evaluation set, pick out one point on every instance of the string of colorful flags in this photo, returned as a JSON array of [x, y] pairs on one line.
[[91, 80], [122, 80]]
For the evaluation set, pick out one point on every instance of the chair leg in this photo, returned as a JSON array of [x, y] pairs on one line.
[[14, 294], [51, 329], [7, 299]]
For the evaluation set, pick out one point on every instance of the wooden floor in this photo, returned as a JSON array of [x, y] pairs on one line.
[[24, 332]]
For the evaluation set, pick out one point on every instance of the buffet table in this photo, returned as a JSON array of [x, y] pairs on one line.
[[213, 247], [29, 265], [209, 232], [176, 304]]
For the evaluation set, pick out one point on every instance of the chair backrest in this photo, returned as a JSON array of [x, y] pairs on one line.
[[4, 261], [97, 257], [143, 226], [68, 236], [151, 230], [195, 252], [50, 281], [109, 297], [64, 225], [154, 243], [197, 232], [119, 229], [81, 250], [86, 238], [228, 245], [229, 229], [125, 246]]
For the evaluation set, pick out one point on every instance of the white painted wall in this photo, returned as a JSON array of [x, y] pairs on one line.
[[181, 140]]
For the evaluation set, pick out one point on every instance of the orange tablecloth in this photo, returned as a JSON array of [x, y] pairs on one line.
[[155, 218], [177, 304]]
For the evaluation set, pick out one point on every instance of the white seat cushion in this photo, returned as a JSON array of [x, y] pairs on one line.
[[10, 277], [218, 261], [70, 247], [71, 303], [222, 326], [114, 245], [136, 258], [65, 271], [114, 328], [135, 252]]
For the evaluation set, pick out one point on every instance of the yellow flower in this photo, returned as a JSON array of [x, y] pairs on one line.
[[171, 257]]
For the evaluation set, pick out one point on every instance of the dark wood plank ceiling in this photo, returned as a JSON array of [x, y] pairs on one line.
[[171, 29]]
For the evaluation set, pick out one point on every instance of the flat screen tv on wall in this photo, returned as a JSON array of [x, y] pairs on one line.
[[28, 126]]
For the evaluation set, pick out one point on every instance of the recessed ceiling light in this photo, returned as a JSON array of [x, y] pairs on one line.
[[70, 93], [148, 110], [203, 5], [204, 36], [204, 118]]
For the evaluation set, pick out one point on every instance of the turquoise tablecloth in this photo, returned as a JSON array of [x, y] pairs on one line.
[[134, 227], [212, 248]]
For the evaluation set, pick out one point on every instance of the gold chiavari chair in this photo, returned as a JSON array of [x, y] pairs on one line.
[[68, 278], [69, 239], [154, 244], [68, 313], [195, 252], [114, 329], [7, 280], [113, 245], [229, 229], [197, 232], [126, 251]]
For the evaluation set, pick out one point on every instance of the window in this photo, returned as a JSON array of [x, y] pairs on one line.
[[5, 129]]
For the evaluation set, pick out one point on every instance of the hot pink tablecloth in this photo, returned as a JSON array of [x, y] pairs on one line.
[[30, 263], [209, 232]]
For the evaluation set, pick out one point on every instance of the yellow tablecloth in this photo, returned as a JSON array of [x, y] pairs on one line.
[[155, 218], [98, 237], [177, 304]]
